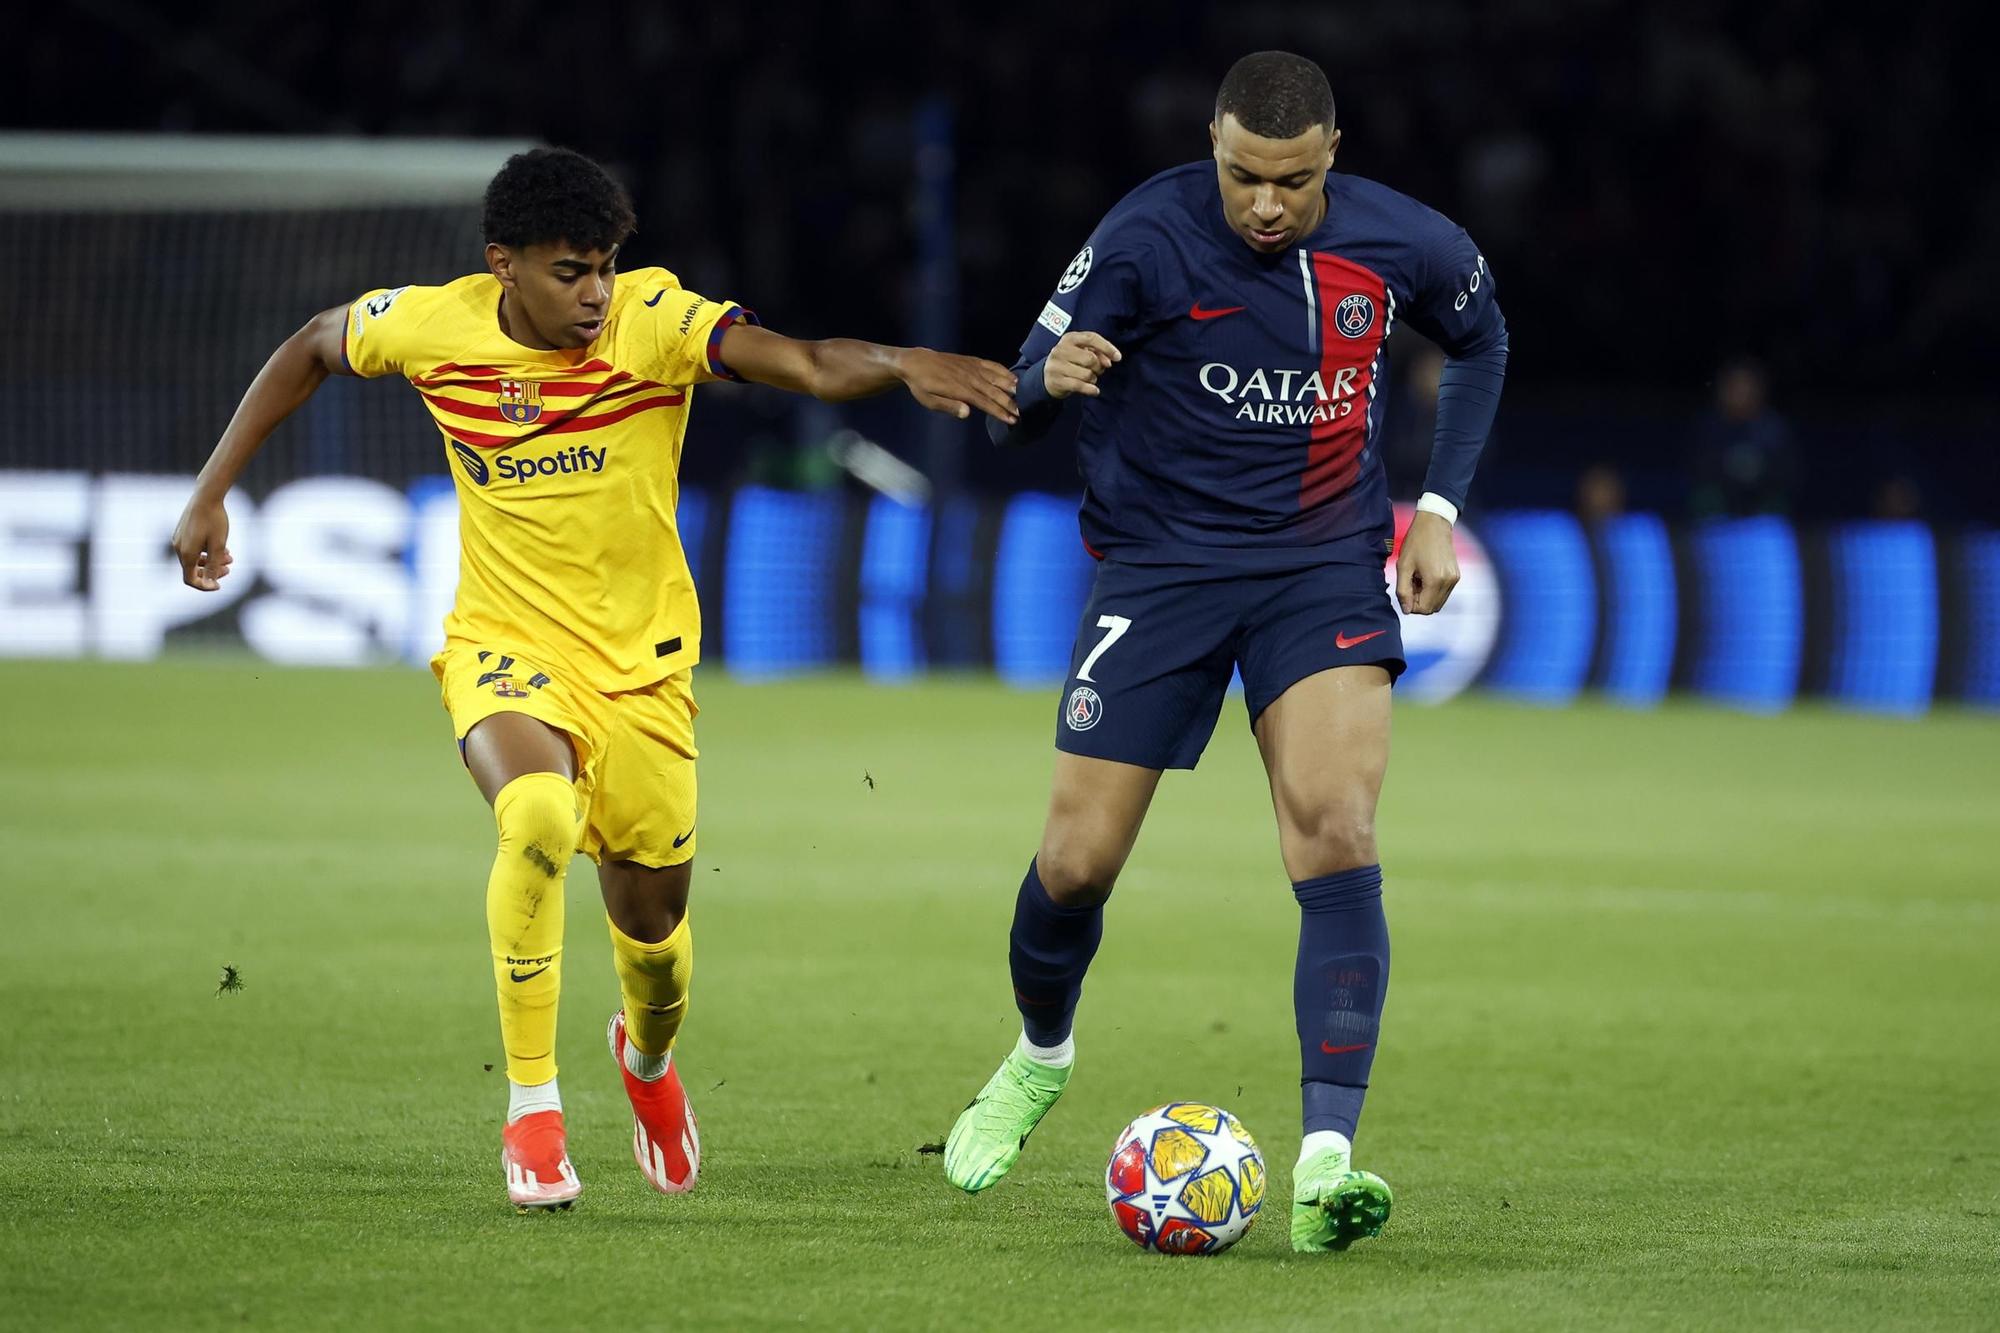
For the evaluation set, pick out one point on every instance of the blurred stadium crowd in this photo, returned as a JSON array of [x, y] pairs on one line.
[[1747, 251]]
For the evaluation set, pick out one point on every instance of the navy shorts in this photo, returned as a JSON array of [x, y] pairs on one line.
[[1158, 644]]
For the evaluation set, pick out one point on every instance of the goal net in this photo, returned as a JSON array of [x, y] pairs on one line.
[[150, 277]]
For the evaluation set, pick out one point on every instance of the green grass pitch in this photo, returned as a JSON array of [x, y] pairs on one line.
[[1695, 1022]]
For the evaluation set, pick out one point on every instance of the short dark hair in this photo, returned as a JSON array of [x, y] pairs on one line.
[[550, 195], [1275, 94]]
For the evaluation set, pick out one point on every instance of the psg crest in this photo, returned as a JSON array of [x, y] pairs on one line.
[[1355, 315], [521, 401], [1083, 709]]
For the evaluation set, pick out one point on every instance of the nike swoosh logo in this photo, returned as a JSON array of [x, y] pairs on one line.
[[684, 837], [1341, 641], [519, 975], [1198, 313], [656, 297], [1343, 1050]]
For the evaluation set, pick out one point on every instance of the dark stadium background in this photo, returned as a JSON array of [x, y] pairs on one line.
[[1691, 881], [1661, 188]]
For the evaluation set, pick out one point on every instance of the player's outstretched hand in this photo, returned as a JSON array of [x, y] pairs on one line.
[[1427, 566], [956, 385], [201, 542], [1077, 362]]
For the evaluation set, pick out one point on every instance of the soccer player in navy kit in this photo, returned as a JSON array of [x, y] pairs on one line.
[[1227, 346]]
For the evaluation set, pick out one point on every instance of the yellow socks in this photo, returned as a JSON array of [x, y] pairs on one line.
[[537, 817], [654, 980]]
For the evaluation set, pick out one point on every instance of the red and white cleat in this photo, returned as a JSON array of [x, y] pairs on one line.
[[534, 1151], [665, 1140]]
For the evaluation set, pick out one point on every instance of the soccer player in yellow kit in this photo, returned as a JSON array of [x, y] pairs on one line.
[[562, 391]]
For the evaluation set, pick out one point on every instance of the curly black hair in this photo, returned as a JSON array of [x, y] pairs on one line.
[[552, 195], [1275, 94]]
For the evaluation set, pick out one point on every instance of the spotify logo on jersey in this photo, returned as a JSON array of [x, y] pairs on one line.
[[469, 459], [521, 470]]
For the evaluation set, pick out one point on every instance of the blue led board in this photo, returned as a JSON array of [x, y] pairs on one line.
[[960, 605], [691, 519], [1640, 608], [1752, 612], [895, 563], [1885, 616], [779, 577], [1041, 579], [1549, 590], [1981, 555]]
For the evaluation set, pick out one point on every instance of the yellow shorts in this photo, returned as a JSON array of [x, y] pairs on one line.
[[635, 749]]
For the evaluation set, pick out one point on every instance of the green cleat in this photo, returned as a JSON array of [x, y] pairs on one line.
[[1334, 1206], [987, 1139]]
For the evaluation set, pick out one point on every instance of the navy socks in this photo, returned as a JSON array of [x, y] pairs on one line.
[[1340, 981], [1338, 987], [1048, 951]]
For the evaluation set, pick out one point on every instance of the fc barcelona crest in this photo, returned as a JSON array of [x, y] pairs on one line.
[[520, 401]]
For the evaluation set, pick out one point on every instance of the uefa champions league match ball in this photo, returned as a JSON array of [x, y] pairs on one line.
[[1185, 1179]]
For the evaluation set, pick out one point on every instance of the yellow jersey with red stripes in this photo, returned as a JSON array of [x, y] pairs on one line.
[[566, 463]]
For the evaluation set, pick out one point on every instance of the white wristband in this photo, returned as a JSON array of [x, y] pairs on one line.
[[1433, 503]]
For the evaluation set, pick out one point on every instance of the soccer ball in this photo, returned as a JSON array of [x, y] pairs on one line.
[[1185, 1179]]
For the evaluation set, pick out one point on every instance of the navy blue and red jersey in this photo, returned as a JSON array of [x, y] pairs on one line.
[[1241, 427]]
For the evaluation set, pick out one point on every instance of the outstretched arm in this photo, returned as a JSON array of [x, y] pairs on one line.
[[299, 366], [835, 370]]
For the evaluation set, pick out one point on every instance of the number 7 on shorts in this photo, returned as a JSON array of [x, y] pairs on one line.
[[1117, 625]]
